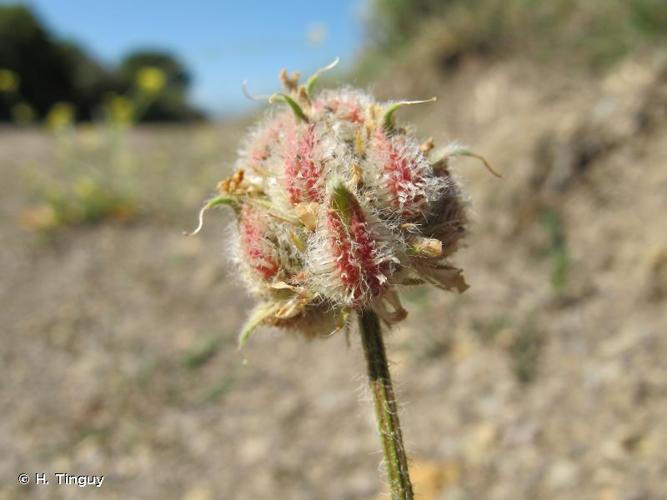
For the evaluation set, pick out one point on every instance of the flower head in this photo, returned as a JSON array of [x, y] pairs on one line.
[[336, 206], [9, 81]]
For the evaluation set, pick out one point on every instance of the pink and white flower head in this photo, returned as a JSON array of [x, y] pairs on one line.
[[337, 206]]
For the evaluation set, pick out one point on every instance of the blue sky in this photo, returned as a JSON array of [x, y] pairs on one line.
[[222, 42]]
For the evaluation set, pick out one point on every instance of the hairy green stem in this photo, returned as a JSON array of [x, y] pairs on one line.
[[386, 410]]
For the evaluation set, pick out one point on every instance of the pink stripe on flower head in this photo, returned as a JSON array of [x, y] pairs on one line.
[[356, 255], [259, 252], [266, 140], [346, 108], [303, 170], [402, 174]]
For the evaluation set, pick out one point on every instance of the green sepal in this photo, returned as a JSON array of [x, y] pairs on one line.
[[296, 108], [343, 201], [388, 117], [221, 199], [256, 318], [310, 83], [462, 151], [276, 212]]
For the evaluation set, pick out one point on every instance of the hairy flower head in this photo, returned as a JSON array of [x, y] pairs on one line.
[[336, 206]]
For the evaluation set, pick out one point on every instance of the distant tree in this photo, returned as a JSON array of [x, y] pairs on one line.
[[27, 50], [91, 80], [40, 71]]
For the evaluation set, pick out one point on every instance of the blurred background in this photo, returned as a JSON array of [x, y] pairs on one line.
[[118, 341]]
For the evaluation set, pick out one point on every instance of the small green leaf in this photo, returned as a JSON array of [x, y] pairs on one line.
[[257, 317], [310, 84], [296, 108], [343, 200], [464, 151], [222, 199], [388, 118]]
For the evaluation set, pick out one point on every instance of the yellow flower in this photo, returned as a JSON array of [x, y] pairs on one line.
[[60, 116], [151, 79], [9, 81]]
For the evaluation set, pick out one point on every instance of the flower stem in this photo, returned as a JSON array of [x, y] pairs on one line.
[[386, 411]]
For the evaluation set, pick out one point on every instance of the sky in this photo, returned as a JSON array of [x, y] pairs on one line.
[[222, 42]]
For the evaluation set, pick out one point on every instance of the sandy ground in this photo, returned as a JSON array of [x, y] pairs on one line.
[[545, 380]]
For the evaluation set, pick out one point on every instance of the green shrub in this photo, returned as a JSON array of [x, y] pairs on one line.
[[590, 32]]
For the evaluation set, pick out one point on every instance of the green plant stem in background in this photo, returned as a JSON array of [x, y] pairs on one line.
[[386, 410]]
